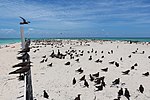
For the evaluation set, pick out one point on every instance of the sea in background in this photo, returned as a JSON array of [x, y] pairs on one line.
[[16, 40]]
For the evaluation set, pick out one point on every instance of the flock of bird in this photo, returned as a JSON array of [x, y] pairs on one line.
[[95, 78], [25, 64]]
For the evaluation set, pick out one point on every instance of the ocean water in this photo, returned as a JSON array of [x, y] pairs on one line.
[[15, 40], [9, 40]]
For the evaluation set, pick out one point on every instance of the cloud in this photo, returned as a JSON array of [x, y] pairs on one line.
[[73, 15], [7, 31]]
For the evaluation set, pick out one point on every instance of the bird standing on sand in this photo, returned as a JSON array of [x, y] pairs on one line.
[[126, 72], [24, 21], [146, 74], [50, 65], [67, 63], [99, 88], [117, 64], [141, 89], [120, 92], [91, 78], [45, 94], [78, 97], [96, 74], [90, 58], [80, 70], [82, 78], [105, 69], [86, 84], [127, 94], [74, 81], [116, 81]]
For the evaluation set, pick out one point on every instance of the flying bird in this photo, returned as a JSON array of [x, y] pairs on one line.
[[24, 21]]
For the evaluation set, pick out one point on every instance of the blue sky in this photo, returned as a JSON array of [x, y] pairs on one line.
[[76, 18]]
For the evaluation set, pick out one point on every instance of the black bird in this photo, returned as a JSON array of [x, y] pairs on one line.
[[21, 64], [46, 59], [116, 81], [91, 78], [42, 61], [103, 84], [129, 56], [74, 81], [97, 60], [77, 60], [127, 94], [126, 72], [86, 84], [135, 64], [96, 74], [24, 21], [45, 94], [146, 74], [141, 89], [111, 62], [102, 57], [97, 81], [90, 58], [50, 65], [132, 67], [80, 70], [44, 56], [117, 64], [120, 92], [82, 78], [24, 57], [121, 59], [78, 97], [111, 51], [105, 69], [21, 70], [67, 63], [99, 88]]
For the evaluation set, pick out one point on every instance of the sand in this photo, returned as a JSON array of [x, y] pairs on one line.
[[57, 80]]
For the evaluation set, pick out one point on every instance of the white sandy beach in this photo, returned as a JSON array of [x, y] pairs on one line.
[[57, 80]]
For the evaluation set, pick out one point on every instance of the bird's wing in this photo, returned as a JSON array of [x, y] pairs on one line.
[[23, 19]]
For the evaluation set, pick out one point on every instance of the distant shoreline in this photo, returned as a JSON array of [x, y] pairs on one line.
[[4, 41]]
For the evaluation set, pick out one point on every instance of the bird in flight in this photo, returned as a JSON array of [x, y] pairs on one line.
[[24, 21]]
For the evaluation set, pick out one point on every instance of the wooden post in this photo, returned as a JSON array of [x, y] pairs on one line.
[[22, 37]]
